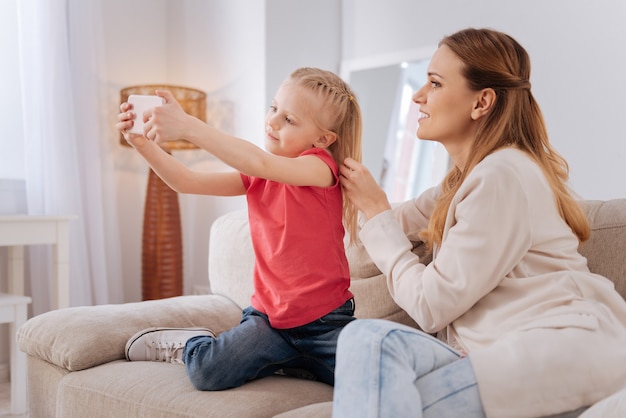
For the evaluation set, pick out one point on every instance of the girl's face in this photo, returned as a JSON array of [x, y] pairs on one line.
[[289, 123], [446, 104]]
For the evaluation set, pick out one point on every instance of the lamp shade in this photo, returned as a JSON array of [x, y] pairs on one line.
[[193, 102]]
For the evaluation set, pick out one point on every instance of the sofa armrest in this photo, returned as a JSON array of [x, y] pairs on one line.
[[78, 338]]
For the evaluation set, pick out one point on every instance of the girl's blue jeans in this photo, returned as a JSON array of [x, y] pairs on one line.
[[254, 349], [385, 369]]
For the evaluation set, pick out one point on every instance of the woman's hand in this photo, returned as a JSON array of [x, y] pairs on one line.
[[362, 189], [125, 122]]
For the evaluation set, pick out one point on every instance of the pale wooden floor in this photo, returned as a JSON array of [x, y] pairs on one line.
[[5, 401]]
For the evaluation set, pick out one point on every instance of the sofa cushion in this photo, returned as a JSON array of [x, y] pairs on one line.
[[156, 389], [318, 410], [231, 258], [81, 337]]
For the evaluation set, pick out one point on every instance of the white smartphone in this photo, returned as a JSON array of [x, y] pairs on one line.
[[141, 103]]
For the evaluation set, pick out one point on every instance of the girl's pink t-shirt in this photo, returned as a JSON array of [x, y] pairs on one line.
[[301, 271]]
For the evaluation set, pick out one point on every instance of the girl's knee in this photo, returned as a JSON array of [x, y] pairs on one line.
[[204, 384], [203, 379]]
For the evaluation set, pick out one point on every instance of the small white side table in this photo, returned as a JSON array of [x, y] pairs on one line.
[[16, 231], [13, 310]]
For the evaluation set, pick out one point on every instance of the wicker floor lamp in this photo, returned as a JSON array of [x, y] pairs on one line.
[[162, 249]]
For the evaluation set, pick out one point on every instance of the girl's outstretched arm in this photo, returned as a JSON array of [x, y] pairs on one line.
[[178, 176], [170, 122]]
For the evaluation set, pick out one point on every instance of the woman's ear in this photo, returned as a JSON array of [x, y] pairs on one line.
[[325, 140], [484, 102]]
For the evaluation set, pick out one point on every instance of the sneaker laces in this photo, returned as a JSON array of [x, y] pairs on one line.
[[167, 351]]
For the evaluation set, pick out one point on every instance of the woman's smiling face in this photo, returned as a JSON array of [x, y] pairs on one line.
[[446, 103]]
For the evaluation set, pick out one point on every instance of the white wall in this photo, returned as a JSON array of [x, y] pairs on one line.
[[299, 34], [577, 55]]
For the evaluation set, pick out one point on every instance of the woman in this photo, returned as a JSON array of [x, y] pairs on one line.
[[525, 330]]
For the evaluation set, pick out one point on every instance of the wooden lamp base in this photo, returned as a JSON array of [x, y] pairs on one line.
[[162, 250]]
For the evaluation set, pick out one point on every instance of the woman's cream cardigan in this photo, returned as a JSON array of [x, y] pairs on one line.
[[509, 287]]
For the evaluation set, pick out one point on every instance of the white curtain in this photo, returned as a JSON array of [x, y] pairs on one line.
[[69, 168]]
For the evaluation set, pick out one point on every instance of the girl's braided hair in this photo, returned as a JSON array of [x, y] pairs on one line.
[[342, 115]]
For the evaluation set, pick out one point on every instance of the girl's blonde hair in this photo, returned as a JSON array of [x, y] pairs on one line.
[[342, 115], [492, 59]]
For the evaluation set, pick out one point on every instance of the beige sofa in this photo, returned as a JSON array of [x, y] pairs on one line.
[[76, 365]]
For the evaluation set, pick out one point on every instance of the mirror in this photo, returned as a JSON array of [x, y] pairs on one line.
[[404, 165]]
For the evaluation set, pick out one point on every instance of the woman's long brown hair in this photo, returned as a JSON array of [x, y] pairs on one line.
[[492, 59]]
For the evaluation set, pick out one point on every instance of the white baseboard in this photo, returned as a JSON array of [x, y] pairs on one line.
[[4, 372]]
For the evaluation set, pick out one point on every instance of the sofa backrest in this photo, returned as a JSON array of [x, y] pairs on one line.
[[231, 260], [605, 250]]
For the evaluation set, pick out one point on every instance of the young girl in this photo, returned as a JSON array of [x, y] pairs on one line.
[[525, 329], [296, 210]]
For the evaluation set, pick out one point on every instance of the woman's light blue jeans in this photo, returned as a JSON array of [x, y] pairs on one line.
[[254, 349], [385, 369]]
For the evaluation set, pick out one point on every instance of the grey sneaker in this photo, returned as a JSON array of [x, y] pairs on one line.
[[162, 344]]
